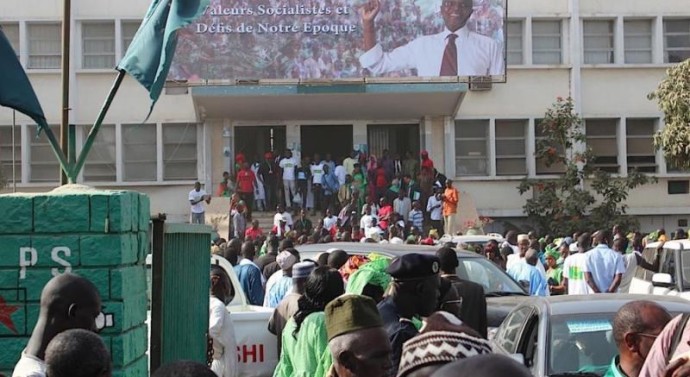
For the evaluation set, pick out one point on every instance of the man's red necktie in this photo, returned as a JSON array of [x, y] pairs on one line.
[[449, 65]]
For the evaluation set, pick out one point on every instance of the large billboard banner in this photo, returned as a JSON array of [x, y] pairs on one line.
[[323, 40]]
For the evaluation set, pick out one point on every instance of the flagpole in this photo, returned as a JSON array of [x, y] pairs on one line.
[[64, 124], [14, 150], [97, 125]]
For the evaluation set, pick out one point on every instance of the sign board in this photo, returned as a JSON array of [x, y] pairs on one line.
[[290, 41]]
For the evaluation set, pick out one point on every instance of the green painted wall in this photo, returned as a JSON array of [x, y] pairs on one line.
[[100, 235]]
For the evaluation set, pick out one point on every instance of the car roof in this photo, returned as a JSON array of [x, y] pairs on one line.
[[601, 303], [473, 238], [385, 249], [673, 244]]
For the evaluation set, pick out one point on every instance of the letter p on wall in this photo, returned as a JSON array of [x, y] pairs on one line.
[[28, 256]]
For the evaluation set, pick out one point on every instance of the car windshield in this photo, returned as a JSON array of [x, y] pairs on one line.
[[581, 343], [483, 271]]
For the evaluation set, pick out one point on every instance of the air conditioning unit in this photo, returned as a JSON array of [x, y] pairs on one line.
[[480, 83]]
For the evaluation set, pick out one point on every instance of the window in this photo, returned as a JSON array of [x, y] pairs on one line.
[[601, 139], [542, 169], [6, 160], [676, 40], [139, 152], [640, 142], [678, 187], [44, 165], [98, 45], [508, 333], [179, 152], [598, 42], [45, 45], [510, 147], [12, 33], [471, 147], [129, 29], [546, 42], [638, 41], [100, 165], [514, 44]]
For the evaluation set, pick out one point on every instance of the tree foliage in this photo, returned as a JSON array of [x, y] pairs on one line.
[[673, 97], [583, 196]]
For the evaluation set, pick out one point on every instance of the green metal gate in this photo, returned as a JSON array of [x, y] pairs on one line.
[[180, 292]]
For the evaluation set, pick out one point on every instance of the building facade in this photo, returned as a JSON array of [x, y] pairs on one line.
[[605, 54]]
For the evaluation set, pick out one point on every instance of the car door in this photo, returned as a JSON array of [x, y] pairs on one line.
[[508, 339], [528, 342]]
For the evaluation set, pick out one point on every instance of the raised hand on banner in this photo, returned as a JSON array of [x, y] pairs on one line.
[[369, 10]]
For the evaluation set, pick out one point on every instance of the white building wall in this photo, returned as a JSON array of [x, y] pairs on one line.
[[604, 91]]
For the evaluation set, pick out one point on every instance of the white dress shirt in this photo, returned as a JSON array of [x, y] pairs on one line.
[[477, 55]]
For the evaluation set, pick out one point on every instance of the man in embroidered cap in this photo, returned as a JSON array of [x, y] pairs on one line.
[[288, 306], [484, 366], [414, 293], [358, 343], [443, 339]]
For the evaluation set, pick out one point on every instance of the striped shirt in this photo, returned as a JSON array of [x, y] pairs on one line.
[[417, 218]]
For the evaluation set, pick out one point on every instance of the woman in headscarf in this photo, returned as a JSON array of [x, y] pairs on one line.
[[220, 327], [305, 350]]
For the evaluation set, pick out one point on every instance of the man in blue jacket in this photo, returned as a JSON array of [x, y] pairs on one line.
[[249, 275]]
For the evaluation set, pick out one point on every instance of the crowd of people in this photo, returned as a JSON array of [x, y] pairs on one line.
[[356, 198], [354, 315]]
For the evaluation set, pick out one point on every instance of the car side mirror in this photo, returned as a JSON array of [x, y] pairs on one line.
[[520, 358], [662, 280], [524, 284]]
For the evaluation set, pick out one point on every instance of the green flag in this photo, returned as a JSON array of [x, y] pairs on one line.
[[151, 52], [16, 91]]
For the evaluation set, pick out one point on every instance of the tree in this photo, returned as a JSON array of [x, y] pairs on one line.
[[673, 97], [582, 196]]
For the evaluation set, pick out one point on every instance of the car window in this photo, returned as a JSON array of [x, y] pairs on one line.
[[581, 343], [483, 271], [508, 334], [528, 347], [668, 264], [685, 267]]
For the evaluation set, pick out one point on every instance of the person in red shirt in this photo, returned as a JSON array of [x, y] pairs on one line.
[[254, 232], [427, 164], [381, 181], [245, 187], [385, 214]]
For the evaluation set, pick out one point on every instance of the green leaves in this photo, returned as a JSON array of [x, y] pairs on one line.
[[582, 197], [673, 97]]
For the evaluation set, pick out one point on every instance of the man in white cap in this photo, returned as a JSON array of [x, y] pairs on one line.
[[280, 283], [523, 246], [288, 306]]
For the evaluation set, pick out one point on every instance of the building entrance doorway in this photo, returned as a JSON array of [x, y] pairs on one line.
[[335, 140], [396, 138], [254, 141]]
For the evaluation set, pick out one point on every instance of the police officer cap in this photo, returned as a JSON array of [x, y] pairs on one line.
[[414, 267]]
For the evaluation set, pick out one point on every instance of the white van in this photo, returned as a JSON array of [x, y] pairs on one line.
[[673, 278]]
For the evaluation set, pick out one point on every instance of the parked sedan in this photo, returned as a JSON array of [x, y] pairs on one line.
[[502, 292], [561, 336]]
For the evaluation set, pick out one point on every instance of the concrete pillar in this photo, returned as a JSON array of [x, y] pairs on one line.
[[99, 235]]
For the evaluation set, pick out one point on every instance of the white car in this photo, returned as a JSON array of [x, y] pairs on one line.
[[673, 278], [469, 242], [256, 346]]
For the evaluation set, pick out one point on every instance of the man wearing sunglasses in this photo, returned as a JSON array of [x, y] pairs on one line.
[[456, 51], [635, 327], [68, 302]]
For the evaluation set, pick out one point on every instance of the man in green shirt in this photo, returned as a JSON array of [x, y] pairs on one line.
[[635, 327]]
